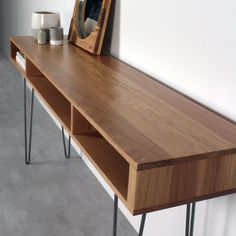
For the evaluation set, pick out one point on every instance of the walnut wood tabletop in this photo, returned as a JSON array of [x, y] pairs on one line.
[[154, 147]]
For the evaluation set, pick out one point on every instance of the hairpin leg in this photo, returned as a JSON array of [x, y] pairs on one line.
[[142, 224], [115, 209], [67, 154], [28, 148], [190, 216], [187, 219]]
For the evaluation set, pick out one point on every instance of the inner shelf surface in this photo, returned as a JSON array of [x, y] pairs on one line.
[[114, 168], [60, 106], [108, 161]]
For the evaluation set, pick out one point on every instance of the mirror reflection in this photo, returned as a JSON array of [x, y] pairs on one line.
[[87, 18]]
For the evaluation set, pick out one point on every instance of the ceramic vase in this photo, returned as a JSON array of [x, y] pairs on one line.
[[44, 20]]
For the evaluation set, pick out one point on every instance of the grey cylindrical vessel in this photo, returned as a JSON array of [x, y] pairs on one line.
[[56, 36], [42, 36]]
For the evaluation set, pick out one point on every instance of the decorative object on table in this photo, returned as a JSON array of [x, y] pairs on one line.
[[42, 36], [44, 20], [20, 59], [56, 36], [88, 24]]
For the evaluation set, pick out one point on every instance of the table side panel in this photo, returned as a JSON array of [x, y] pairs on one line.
[[170, 186]]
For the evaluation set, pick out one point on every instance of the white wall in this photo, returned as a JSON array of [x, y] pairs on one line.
[[189, 45]]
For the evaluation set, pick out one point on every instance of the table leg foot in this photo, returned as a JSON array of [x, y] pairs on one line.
[[67, 153], [28, 148]]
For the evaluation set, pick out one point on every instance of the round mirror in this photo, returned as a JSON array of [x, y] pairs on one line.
[[88, 24], [87, 17]]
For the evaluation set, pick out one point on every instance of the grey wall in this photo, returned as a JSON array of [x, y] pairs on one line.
[[16, 16], [190, 45]]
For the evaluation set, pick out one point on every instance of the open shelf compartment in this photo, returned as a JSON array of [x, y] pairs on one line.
[[56, 101], [113, 167], [14, 49]]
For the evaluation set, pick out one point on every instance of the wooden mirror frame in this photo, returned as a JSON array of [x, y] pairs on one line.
[[92, 43]]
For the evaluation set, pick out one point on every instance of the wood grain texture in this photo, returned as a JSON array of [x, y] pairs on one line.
[[80, 125], [189, 107], [57, 103], [164, 187], [32, 70], [107, 160], [154, 147], [111, 166], [147, 129]]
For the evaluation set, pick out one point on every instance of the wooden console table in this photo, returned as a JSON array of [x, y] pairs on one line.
[[154, 147]]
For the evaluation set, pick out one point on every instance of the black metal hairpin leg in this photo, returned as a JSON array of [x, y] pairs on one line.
[[190, 216], [115, 211], [115, 215], [192, 219], [142, 224], [67, 154], [28, 148]]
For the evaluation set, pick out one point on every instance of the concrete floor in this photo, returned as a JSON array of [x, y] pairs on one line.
[[53, 196]]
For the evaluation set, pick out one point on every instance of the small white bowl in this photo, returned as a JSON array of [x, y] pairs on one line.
[[44, 20]]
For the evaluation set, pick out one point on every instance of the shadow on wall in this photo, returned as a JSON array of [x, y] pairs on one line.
[[111, 43]]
